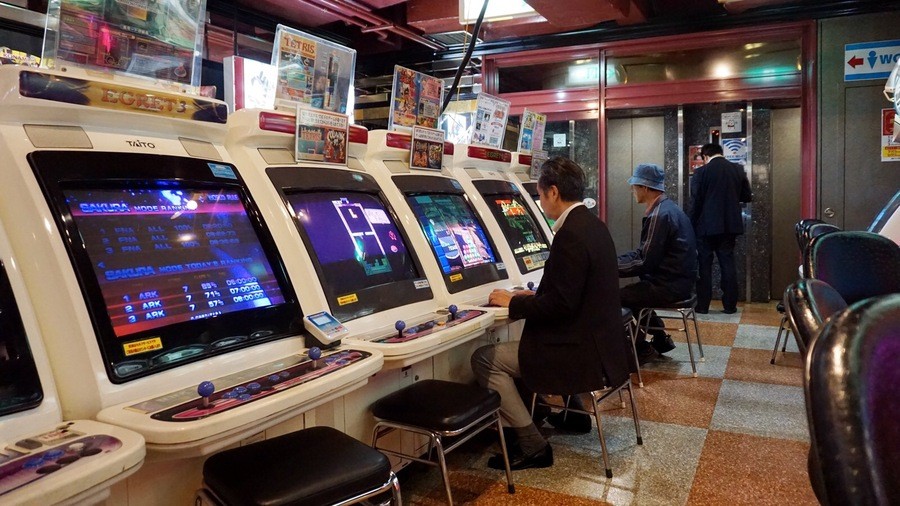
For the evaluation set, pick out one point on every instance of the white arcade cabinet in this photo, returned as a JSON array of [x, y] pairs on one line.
[[340, 230], [164, 303], [43, 459], [487, 173]]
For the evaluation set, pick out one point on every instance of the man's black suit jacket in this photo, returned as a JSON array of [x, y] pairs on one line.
[[717, 191], [573, 333]]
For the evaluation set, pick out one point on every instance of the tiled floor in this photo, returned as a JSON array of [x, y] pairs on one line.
[[734, 435]]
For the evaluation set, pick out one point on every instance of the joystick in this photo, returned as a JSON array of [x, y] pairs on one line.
[[400, 325], [205, 390], [453, 309], [530, 285], [314, 354]]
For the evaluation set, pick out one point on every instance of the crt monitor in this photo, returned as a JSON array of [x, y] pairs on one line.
[[532, 190], [20, 384], [457, 237], [172, 257], [520, 227], [361, 256]]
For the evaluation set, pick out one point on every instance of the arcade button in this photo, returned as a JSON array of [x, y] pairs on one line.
[[52, 454], [253, 387], [245, 397], [76, 447], [29, 444], [240, 389], [284, 374], [33, 463], [68, 459], [92, 450], [274, 378], [49, 469]]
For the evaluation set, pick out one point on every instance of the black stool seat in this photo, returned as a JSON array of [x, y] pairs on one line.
[[438, 405], [691, 302], [324, 466]]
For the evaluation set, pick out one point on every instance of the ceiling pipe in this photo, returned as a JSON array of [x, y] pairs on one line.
[[345, 10]]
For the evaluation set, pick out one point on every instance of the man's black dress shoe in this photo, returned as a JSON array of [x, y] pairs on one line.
[[663, 344], [518, 460], [729, 311], [701, 311], [576, 423], [645, 352]]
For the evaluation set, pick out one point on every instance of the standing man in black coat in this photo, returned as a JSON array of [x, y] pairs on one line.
[[573, 340], [718, 189]]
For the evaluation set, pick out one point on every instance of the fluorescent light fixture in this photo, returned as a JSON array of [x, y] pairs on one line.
[[497, 10]]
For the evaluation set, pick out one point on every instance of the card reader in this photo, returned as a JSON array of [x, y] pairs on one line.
[[325, 327]]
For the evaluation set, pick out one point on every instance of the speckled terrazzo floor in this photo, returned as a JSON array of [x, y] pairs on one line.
[[734, 435]]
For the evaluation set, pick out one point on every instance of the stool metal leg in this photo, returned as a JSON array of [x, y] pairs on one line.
[[687, 337], [442, 464], [778, 339], [602, 439], [510, 487], [634, 413], [693, 316], [633, 335]]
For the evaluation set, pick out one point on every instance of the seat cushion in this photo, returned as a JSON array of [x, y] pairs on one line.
[[313, 466], [437, 405]]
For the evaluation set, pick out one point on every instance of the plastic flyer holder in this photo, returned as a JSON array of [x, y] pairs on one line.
[[161, 40], [312, 72], [416, 99]]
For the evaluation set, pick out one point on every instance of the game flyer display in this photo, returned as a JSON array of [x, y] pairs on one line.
[[321, 136], [427, 149], [313, 71], [415, 99], [531, 135], [491, 114], [156, 39]]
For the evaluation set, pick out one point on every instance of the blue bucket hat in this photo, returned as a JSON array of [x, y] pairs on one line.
[[649, 175]]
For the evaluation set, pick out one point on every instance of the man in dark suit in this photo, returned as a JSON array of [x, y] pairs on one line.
[[718, 189], [573, 340]]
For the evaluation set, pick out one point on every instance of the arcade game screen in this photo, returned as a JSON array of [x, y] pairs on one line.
[[166, 259], [20, 385], [455, 234], [525, 237], [354, 239]]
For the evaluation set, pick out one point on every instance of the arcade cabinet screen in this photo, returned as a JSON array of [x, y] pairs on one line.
[[20, 385], [455, 234], [354, 238], [521, 231], [168, 256]]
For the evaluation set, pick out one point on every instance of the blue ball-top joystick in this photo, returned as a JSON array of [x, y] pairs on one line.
[[314, 353], [453, 310], [530, 285], [400, 325], [206, 389]]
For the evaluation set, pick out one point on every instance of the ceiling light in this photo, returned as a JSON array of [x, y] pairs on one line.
[[497, 10]]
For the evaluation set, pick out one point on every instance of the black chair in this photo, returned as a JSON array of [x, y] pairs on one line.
[[800, 231], [857, 264], [809, 303], [311, 467], [851, 398], [440, 409]]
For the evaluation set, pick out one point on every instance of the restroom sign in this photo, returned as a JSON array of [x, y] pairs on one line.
[[870, 60]]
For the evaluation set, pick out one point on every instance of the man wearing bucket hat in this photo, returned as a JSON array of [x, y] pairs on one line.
[[665, 261]]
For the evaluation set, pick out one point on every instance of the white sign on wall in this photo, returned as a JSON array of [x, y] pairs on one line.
[[870, 60], [559, 140], [731, 122]]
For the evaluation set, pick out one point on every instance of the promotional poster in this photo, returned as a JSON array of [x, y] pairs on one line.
[[313, 71], [321, 136], [491, 114], [415, 99], [427, 151]]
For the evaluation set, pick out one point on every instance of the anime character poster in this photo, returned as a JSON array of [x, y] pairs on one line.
[[491, 114], [531, 133], [415, 99], [321, 136], [427, 151]]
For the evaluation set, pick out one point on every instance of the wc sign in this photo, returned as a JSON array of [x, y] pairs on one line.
[[870, 60]]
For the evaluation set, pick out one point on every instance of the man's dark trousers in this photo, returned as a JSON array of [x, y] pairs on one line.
[[722, 246]]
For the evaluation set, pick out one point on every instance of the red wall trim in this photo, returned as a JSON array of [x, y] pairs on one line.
[[809, 118]]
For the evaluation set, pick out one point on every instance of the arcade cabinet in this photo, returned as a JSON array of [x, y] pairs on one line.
[[360, 264], [887, 223], [44, 459], [165, 304], [488, 172]]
